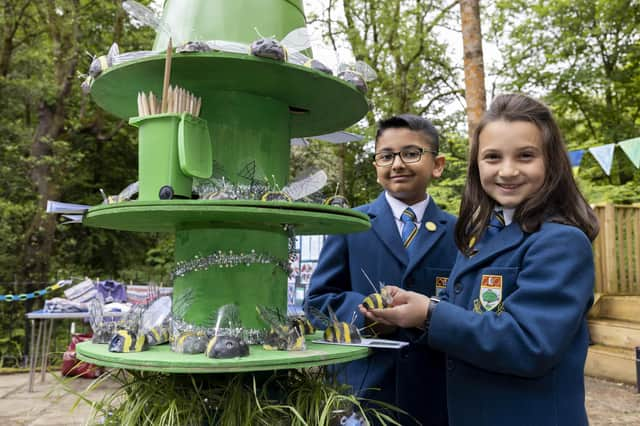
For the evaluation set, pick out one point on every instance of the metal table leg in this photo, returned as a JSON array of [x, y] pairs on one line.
[[46, 343], [32, 355], [34, 351]]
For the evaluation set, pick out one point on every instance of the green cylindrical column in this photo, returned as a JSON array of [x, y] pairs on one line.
[[246, 128], [232, 20], [244, 285]]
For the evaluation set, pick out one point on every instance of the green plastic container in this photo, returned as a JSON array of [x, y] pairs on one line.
[[172, 149]]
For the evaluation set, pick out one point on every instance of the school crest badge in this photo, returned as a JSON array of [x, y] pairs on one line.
[[441, 284], [490, 291]]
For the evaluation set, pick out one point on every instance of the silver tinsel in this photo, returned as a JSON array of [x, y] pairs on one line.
[[227, 260]]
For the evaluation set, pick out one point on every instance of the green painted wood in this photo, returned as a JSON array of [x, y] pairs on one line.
[[250, 136], [235, 20], [323, 103], [161, 359], [169, 216], [242, 285]]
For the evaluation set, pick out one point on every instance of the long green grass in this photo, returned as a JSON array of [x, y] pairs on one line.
[[293, 397]]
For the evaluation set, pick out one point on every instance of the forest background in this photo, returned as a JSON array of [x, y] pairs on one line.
[[581, 57]]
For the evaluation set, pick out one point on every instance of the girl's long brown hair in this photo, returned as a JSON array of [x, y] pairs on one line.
[[558, 200]]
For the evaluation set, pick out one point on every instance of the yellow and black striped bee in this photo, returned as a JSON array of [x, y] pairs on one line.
[[129, 338], [191, 342], [125, 341], [338, 331], [282, 336], [157, 335], [317, 65], [302, 323], [227, 347], [227, 341], [377, 300], [275, 196], [337, 201]]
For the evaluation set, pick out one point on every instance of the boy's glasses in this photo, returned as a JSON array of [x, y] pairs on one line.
[[408, 156]]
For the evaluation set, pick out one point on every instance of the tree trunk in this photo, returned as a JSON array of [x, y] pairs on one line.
[[473, 63], [51, 118]]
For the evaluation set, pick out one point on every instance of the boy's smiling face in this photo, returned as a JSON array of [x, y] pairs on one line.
[[407, 182]]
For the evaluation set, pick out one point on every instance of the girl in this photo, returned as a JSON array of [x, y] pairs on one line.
[[512, 321]]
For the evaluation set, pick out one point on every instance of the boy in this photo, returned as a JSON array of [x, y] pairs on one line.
[[413, 249]]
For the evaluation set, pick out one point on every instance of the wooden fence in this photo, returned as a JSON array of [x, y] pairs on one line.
[[617, 249]]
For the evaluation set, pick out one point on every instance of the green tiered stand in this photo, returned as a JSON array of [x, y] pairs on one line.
[[252, 107]]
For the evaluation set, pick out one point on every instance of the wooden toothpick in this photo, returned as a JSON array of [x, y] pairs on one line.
[[167, 76]]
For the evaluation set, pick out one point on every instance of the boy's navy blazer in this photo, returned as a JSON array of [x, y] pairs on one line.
[[521, 362], [338, 282]]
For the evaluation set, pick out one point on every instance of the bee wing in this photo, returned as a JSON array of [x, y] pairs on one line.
[[366, 71], [113, 52], [332, 315], [156, 314], [306, 186], [129, 191], [95, 314], [229, 46], [317, 314], [228, 317], [145, 15], [297, 40], [343, 66], [248, 172], [271, 316], [182, 303], [132, 56], [298, 58], [338, 137]]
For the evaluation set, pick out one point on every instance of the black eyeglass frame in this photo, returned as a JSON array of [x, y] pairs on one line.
[[399, 153]]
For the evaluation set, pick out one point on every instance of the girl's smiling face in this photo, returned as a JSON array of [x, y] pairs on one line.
[[510, 161]]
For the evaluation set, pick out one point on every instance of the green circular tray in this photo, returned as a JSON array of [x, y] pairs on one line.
[[322, 103], [169, 216], [162, 359]]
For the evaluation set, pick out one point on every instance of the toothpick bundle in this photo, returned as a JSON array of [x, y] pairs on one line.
[[178, 100]]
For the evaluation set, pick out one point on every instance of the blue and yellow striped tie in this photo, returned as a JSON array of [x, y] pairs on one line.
[[496, 223], [409, 227]]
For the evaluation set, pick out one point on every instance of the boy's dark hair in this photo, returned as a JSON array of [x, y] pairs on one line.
[[559, 198], [414, 123]]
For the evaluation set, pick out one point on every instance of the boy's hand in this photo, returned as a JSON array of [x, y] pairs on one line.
[[408, 309]]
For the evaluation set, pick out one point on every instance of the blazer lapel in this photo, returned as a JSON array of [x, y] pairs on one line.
[[427, 237], [509, 237], [383, 225]]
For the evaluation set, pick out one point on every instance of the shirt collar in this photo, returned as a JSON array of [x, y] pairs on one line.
[[507, 213], [397, 206]]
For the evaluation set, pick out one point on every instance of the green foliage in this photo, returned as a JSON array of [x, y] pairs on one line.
[[295, 397], [415, 75], [582, 58]]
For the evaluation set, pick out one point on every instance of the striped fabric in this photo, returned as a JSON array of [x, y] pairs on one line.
[[409, 227]]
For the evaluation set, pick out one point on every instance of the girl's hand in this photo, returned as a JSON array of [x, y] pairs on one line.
[[408, 309]]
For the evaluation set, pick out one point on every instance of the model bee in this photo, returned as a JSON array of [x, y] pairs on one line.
[[227, 341], [102, 330], [338, 331], [302, 323], [377, 300], [130, 337], [191, 342], [269, 47], [156, 321], [281, 336], [357, 74]]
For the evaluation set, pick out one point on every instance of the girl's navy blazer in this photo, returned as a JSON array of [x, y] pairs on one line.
[[518, 360]]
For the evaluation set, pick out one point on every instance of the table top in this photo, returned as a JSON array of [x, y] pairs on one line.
[[41, 314]]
